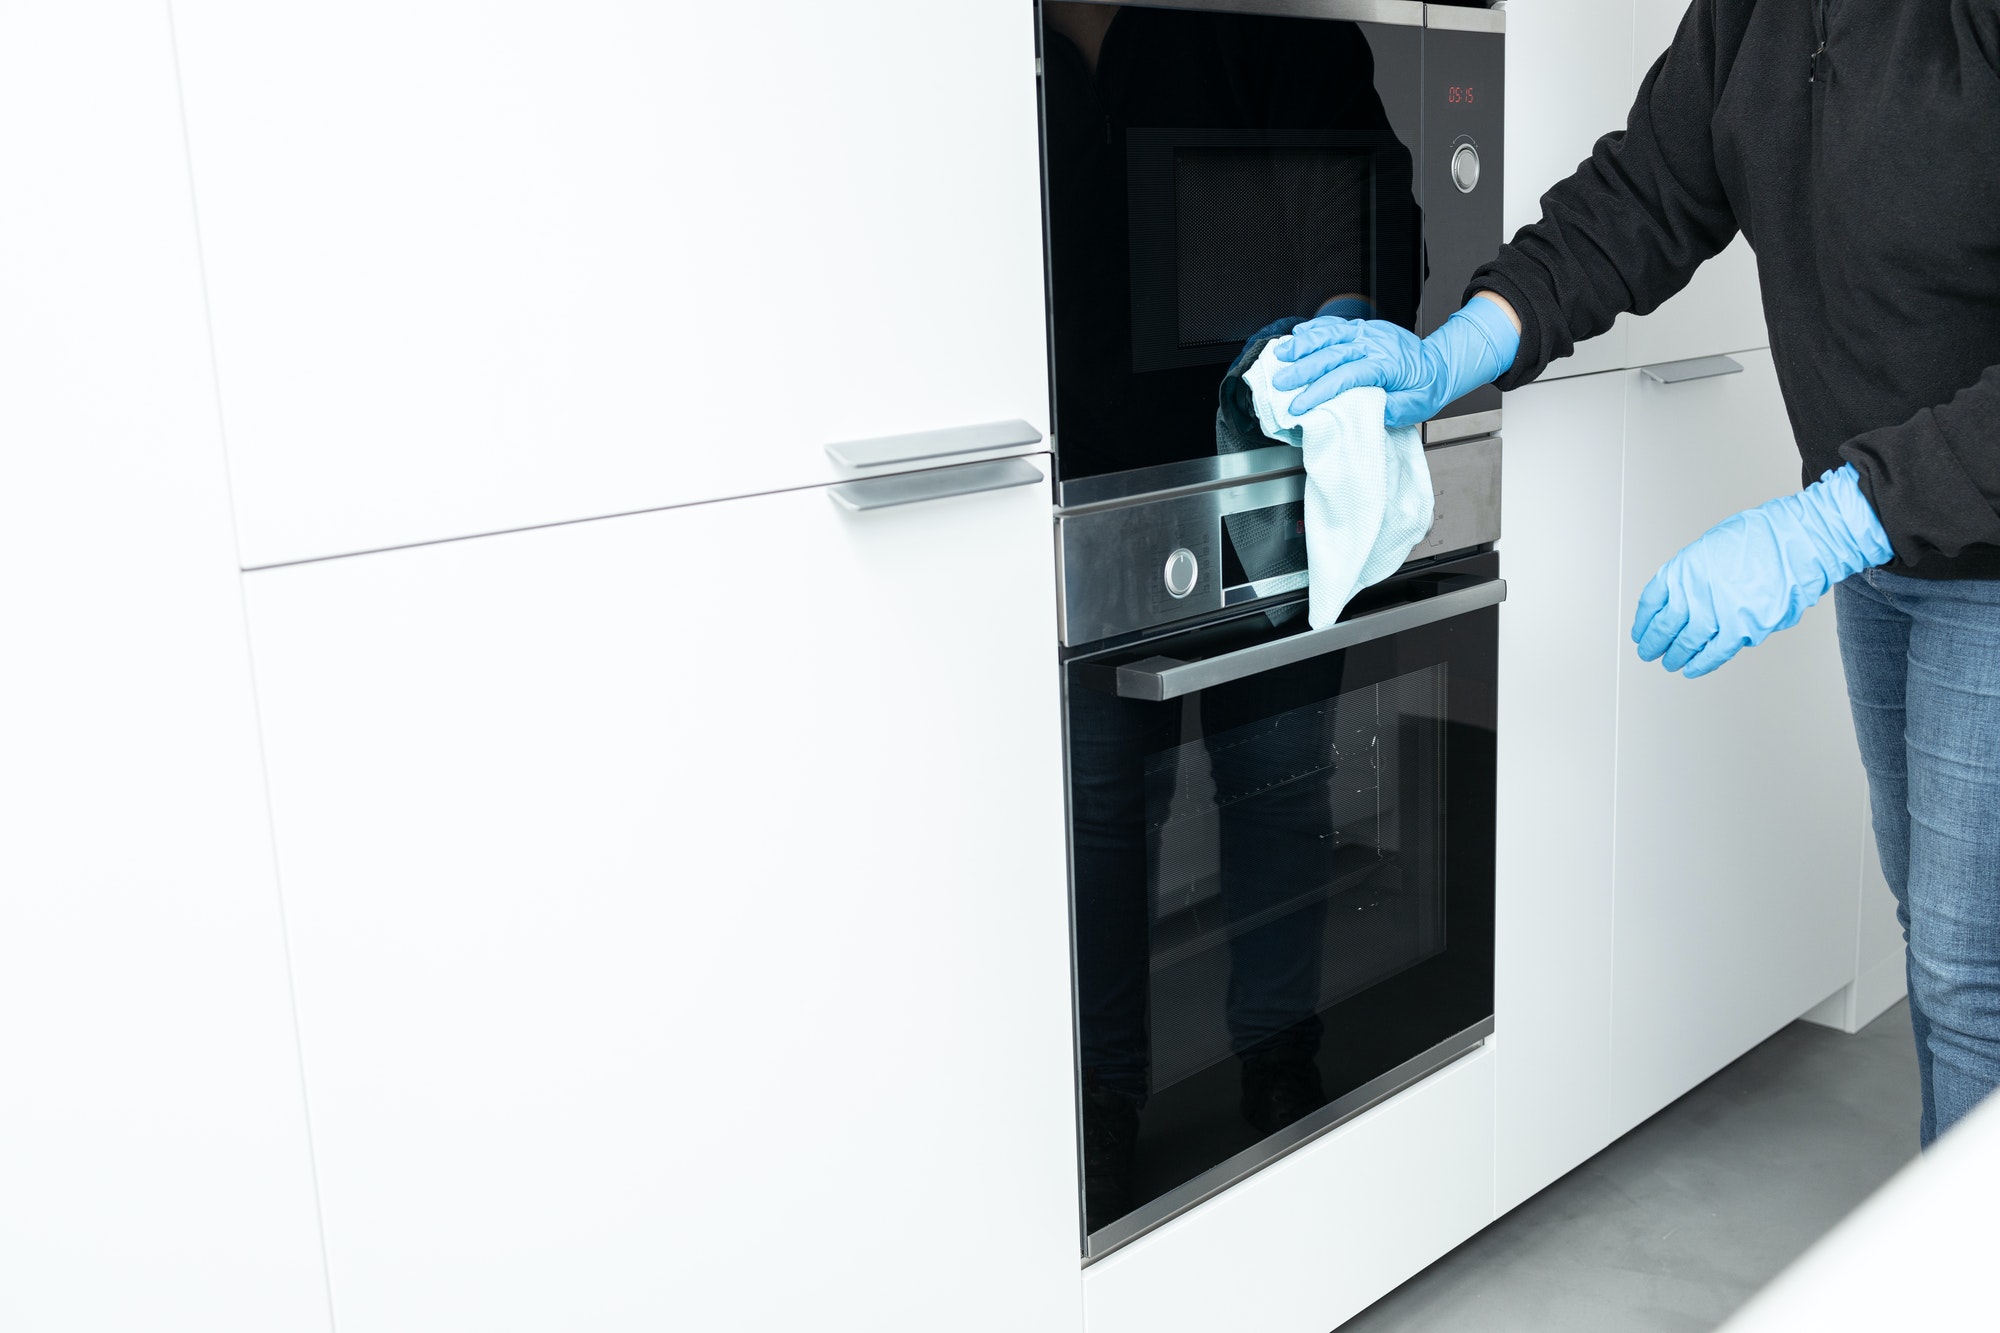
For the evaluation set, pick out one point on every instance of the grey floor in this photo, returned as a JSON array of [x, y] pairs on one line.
[[1678, 1223]]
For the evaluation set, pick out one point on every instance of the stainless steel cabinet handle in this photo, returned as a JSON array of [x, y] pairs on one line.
[[1161, 678], [1696, 368], [889, 450], [935, 483]]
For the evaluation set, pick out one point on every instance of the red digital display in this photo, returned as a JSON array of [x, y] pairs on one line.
[[1457, 94]]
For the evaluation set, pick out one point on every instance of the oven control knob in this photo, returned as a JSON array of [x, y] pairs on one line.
[[1465, 168], [1182, 571]]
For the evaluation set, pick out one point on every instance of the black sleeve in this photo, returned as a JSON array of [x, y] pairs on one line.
[[1935, 479], [1629, 228]]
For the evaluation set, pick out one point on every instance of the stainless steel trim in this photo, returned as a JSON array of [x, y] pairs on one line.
[[1694, 368], [935, 483], [1184, 478], [1465, 497], [1108, 554], [1447, 429], [1406, 13], [890, 450], [1275, 586], [1157, 679], [1285, 1142], [1460, 19]]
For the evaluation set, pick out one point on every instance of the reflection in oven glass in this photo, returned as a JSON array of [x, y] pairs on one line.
[[1260, 871], [1307, 242]]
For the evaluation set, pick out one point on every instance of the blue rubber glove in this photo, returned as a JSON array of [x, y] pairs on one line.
[[1750, 576], [1327, 357]]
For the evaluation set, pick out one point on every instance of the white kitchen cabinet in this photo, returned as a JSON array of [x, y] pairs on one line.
[[1738, 829], [680, 918], [1568, 85], [1720, 311], [1880, 974], [1560, 648], [1574, 67], [1316, 1237], [1880, 965], [479, 267], [1722, 308], [155, 1171]]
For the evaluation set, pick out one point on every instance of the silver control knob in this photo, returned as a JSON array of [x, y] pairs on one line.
[[1465, 168], [1182, 571]]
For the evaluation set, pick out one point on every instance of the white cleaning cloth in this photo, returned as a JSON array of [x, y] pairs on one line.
[[1368, 489]]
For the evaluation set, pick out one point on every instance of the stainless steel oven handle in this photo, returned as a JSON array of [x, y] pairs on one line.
[[936, 483], [1157, 679]]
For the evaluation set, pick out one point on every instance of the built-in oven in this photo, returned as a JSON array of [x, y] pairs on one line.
[[1281, 838], [1217, 170]]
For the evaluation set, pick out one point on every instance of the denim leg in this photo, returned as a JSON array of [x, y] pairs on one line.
[[1275, 857], [1874, 650], [1953, 736], [1109, 741]]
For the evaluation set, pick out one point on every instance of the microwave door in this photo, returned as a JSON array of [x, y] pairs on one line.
[[1210, 176]]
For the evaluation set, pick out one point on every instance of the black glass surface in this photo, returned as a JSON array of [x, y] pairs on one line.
[[1211, 178], [1262, 545], [1283, 885]]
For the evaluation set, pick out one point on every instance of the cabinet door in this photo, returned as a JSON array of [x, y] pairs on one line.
[[1738, 793], [1722, 308], [478, 267], [1559, 662], [680, 913], [1568, 84], [155, 1171]]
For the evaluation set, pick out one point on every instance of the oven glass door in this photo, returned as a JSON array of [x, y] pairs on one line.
[[1283, 891], [1214, 178]]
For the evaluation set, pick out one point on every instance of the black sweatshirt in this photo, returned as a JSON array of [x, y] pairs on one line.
[[1867, 179]]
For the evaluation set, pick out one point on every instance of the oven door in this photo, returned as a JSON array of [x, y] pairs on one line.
[[1282, 848]]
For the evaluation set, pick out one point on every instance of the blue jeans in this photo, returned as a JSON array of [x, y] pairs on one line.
[[1923, 678]]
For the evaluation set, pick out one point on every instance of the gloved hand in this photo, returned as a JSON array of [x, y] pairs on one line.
[[1329, 356], [1750, 576]]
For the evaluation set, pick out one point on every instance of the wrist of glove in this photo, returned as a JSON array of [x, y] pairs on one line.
[[1326, 357], [1754, 574]]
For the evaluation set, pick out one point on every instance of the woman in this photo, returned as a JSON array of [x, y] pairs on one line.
[[1852, 144]]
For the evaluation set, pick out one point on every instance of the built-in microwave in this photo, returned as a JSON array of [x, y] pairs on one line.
[[1219, 168]]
